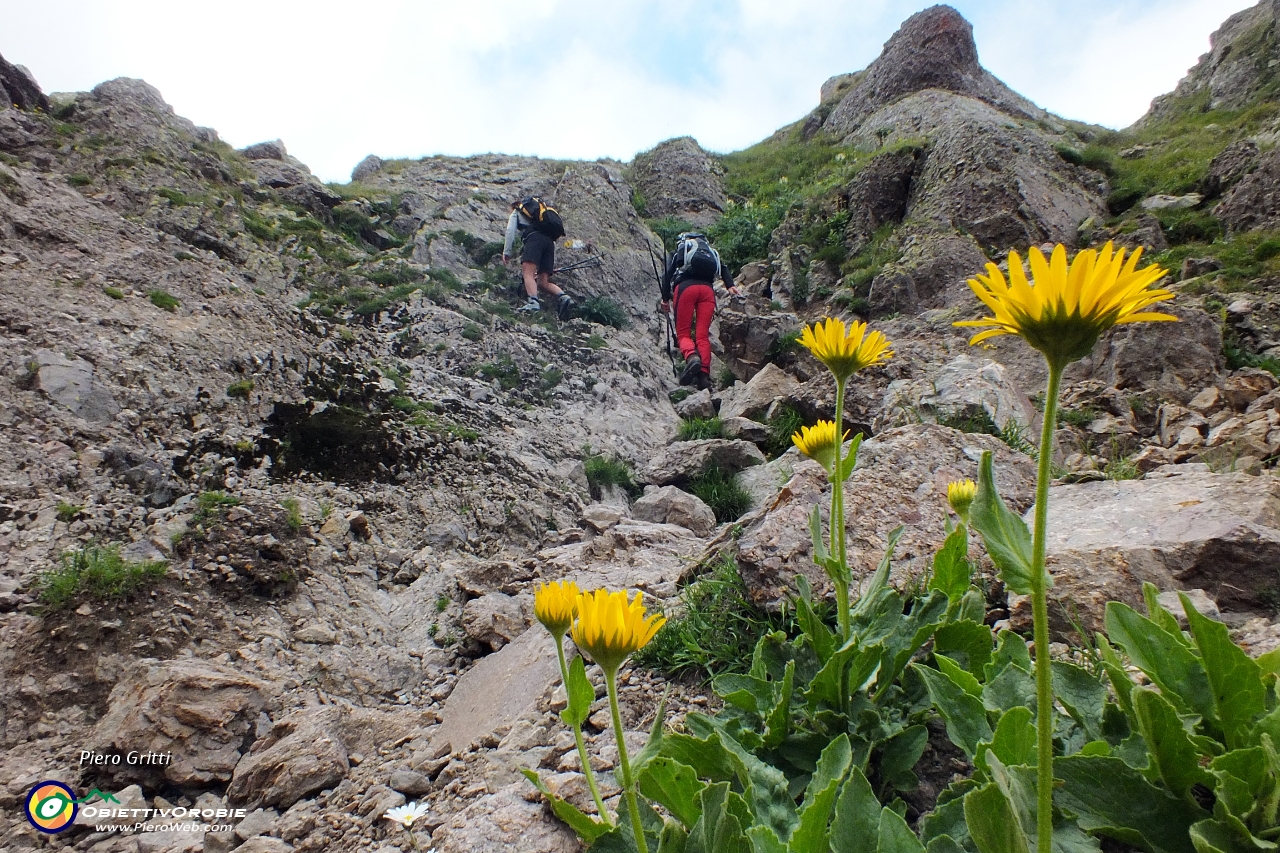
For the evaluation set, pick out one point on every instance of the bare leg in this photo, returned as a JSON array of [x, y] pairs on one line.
[[545, 282], [530, 272]]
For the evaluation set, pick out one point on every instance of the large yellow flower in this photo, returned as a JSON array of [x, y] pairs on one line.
[[818, 442], [610, 628], [845, 351], [555, 605], [1067, 308]]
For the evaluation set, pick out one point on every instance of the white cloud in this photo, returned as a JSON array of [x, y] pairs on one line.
[[571, 78]]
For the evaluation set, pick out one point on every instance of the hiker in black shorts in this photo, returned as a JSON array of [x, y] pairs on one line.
[[538, 258]]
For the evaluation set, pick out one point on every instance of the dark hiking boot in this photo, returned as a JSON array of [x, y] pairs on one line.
[[692, 368], [564, 306], [704, 382]]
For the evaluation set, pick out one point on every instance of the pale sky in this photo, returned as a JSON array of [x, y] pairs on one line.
[[573, 79]]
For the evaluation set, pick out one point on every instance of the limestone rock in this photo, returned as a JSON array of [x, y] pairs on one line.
[[1175, 359], [265, 844], [493, 619], [680, 462], [678, 178], [70, 383], [879, 195], [669, 505], [751, 341], [498, 690], [697, 405], [901, 478], [1254, 202], [964, 387], [1232, 163], [753, 399], [199, 711], [273, 150], [505, 821], [1217, 532], [19, 89], [933, 49]]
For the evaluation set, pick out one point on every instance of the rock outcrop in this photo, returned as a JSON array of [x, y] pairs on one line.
[[679, 179]]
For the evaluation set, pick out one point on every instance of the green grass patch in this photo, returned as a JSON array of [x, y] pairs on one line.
[[472, 332], [504, 371], [786, 422], [163, 300], [609, 470], [717, 629], [603, 310], [67, 512], [696, 429], [668, 228], [979, 420], [292, 514], [79, 180], [596, 341], [113, 292], [176, 197], [721, 491], [240, 389], [97, 572]]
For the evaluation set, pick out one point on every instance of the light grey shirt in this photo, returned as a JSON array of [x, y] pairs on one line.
[[517, 222]]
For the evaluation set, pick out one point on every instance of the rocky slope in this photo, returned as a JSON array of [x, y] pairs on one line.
[[316, 407]]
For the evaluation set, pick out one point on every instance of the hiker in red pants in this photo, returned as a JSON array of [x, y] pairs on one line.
[[691, 269]]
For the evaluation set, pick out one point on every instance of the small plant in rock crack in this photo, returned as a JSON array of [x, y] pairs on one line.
[[98, 571], [163, 300], [67, 512], [695, 429]]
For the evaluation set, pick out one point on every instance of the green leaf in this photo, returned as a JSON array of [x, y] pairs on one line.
[[1116, 674], [856, 826], [846, 672], [895, 836], [847, 464], [675, 786], [1242, 779], [778, 722], [587, 827], [653, 747], [580, 695], [944, 844], [820, 796], [879, 580], [1238, 692], [910, 633], [820, 552], [821, 638], [1082, 694], [1226, 835], [1158, 614], [973, 607], [951, 569], [1011, 650], [720, 828], [743, 691], [967, 643], [964, 715], [959, 675], [1004, 533], [1014, 741], [1172, 753], [1164, 658], [899, 754], [1110, 798], [1014, 686], [993, 822], [674, 838], [707, 756]]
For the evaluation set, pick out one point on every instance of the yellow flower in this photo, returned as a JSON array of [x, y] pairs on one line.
[[818, 442], [610, 628], [845, 352], [555, 605], [1067, 308], [960, 496]]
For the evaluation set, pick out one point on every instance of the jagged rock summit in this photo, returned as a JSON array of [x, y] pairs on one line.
[[933, 49]]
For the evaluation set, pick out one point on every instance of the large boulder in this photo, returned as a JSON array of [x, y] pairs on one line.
[[678, 178], [1175, 359], [754, 398], [669, 505], [1255, 200], [1187, 528], [931, 272], [1232, 163], [901, 479], [200, 712], [682, 461], [965, 387], [752, 341]]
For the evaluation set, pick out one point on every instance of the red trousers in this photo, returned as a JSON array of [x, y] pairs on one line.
[[695, 306]]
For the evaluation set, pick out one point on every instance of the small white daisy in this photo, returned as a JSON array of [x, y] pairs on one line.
[[405, 815]]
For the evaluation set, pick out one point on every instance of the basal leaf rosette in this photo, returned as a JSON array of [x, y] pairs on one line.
[[845, 350], [1063, 309], [610, 627], [555, 605], [818, 442]]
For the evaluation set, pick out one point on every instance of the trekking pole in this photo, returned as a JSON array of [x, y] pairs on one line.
[[670, 326], [584, 264]]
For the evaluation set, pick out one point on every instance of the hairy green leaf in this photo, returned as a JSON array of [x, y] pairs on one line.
[[587, 827], [1014, 741], [820, 797], [1171, 750], [895, 836], [674, 785], [1004, 533], [1082, 694], [951, 568], [1110, 798], [1164, 659], [857, 822], [967, 643], [964, 715], [1238, 692], [580, 695]]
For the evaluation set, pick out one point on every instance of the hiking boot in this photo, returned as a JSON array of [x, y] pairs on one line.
[[564, 306], [692, 368], [704, 382], [532, 305]]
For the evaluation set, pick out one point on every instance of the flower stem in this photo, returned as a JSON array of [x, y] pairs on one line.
[[577, 738], [1040, 616], [413, 838], [624, 762], [837, 524]]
